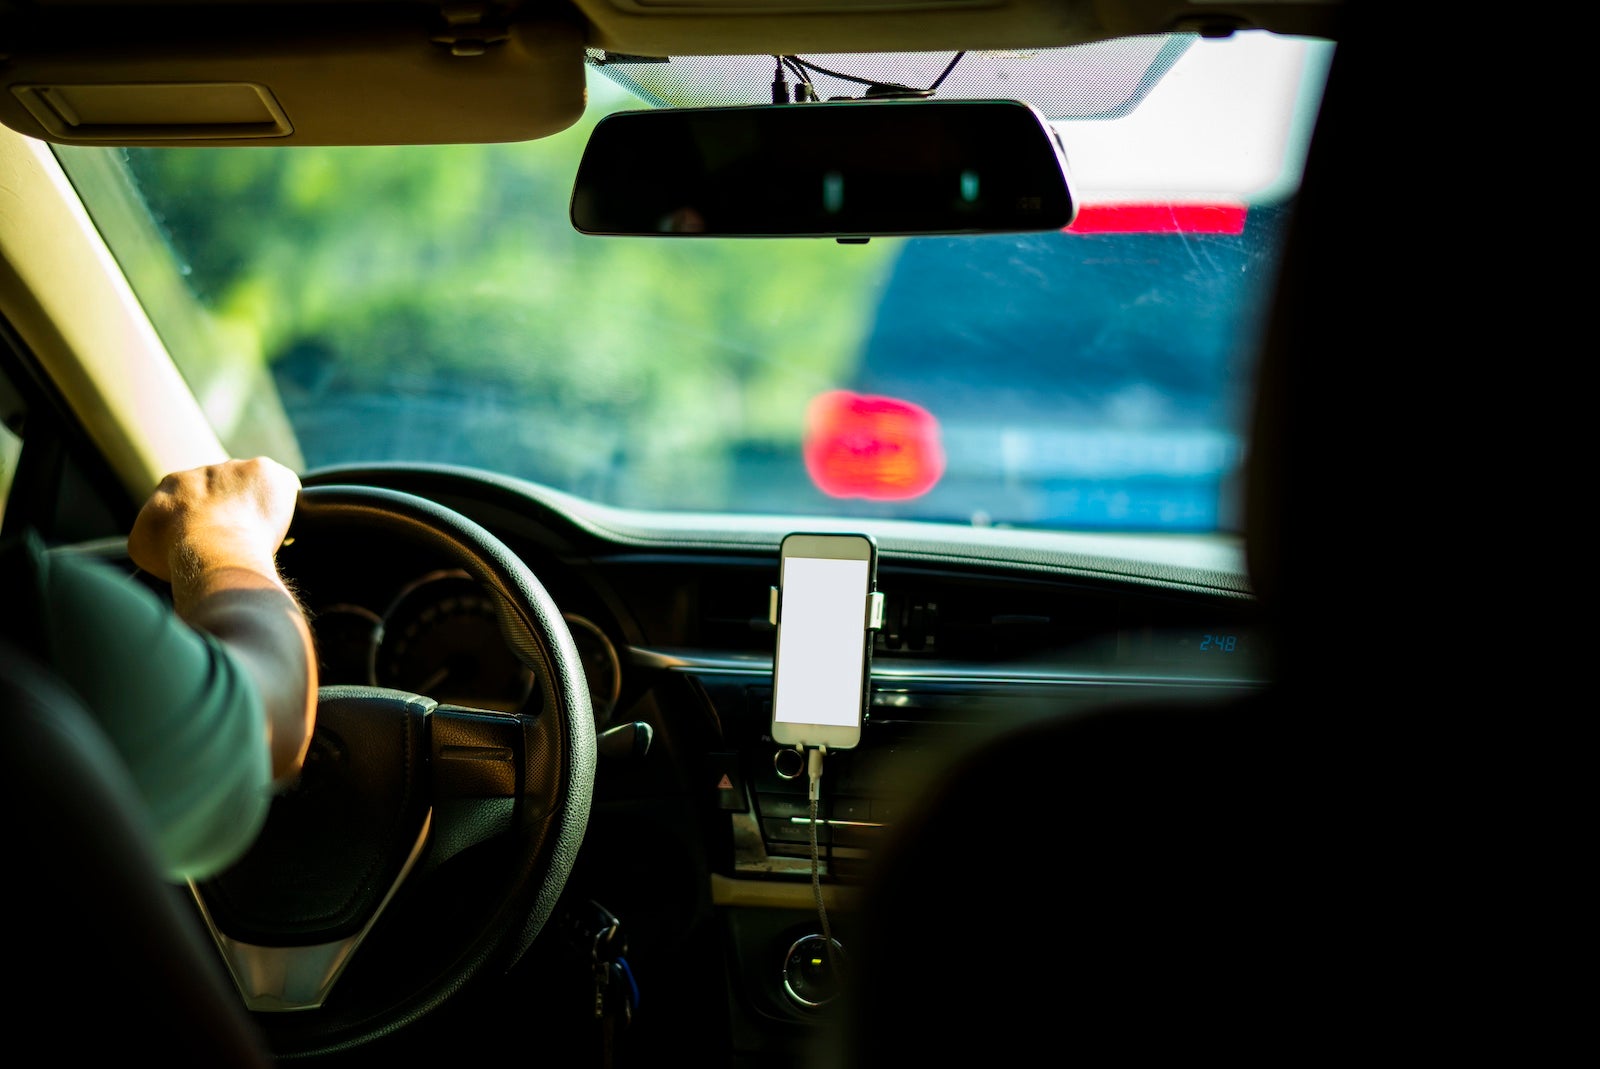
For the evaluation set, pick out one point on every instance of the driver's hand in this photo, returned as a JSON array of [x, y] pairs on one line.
[[234, 513]]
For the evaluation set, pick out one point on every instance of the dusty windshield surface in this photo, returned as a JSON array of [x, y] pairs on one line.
[[434, 304]]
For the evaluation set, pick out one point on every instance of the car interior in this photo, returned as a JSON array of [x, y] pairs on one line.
[[1107, 797]]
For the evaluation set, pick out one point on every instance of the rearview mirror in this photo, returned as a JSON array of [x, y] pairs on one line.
[[842, 169]]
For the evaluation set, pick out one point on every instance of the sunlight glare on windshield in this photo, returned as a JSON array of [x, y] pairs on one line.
[[1233, 117]]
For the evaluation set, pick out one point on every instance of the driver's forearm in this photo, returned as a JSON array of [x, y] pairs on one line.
[[258, 619]]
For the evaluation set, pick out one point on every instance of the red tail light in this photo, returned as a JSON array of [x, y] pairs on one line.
[[1212, 217], [878, 448]]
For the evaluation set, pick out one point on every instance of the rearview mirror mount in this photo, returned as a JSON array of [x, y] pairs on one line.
[[841, 169]]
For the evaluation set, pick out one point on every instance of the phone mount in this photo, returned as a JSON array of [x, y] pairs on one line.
[[874, 608]]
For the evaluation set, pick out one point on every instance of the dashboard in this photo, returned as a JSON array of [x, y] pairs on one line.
[[701, 839]]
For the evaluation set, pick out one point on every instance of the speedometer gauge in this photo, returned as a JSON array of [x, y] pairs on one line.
[[441, 638]]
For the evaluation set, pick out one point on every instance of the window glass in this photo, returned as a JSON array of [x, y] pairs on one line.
[[434, 304], [10, 441]]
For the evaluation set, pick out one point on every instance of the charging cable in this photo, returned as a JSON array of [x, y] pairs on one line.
[[814, 759]]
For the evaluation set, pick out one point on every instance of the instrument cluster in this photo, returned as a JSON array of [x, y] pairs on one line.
[[439, 636]]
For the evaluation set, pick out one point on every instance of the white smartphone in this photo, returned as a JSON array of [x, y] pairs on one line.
[[820, 673]]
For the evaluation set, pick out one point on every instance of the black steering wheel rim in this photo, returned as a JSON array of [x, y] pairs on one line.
[[448, 833]]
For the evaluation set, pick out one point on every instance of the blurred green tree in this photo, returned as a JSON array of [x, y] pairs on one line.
[[453, 272]]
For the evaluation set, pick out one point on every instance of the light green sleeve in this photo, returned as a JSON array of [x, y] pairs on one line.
[[174, 702]]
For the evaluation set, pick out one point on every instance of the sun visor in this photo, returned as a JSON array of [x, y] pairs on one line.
[[367, 74]]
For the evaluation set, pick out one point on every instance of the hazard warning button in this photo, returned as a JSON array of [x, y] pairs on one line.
[[727, 785]]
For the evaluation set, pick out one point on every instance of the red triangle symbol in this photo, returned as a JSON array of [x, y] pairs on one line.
[[726, 784]]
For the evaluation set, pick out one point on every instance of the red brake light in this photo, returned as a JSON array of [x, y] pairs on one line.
[[878, 448], [1209, 217]]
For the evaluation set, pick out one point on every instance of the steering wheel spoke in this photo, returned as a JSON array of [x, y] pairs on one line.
[[481, 775]]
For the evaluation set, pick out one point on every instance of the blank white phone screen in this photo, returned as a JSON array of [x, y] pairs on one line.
[[821, 643]]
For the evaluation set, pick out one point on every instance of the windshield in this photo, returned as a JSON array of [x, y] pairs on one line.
[[434, 304]]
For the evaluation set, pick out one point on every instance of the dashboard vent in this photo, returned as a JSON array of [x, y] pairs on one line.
[[978, 621], [733, 612]]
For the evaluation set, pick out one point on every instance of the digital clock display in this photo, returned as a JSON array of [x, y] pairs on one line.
[[1219, 642], [1207, 649]]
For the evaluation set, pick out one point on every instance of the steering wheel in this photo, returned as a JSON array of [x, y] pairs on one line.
[[422, 844]]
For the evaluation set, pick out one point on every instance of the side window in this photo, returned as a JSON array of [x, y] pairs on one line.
[[10, 440], [66, 491], [10, 450]]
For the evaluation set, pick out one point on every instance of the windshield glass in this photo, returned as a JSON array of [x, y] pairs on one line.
[[434, 304]]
